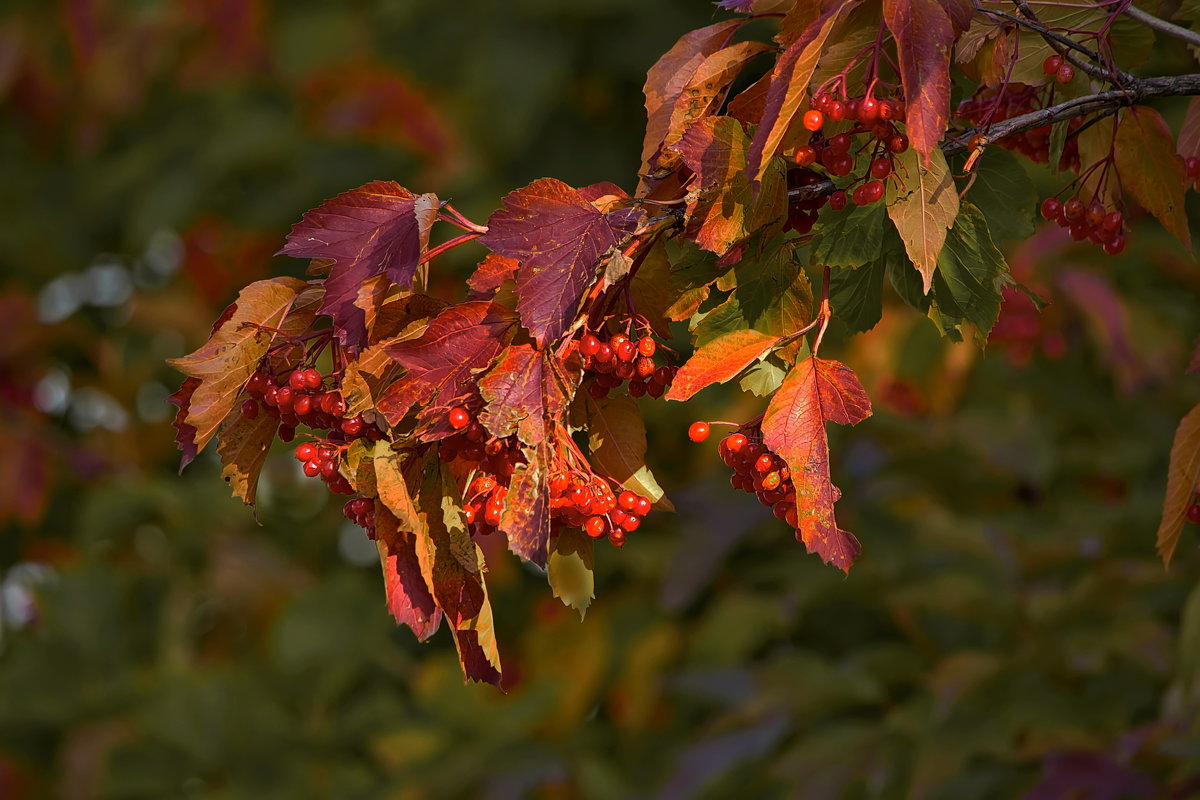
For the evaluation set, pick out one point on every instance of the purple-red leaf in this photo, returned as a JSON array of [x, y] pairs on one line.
[[720, 360], [408, 598], [523, 392], [185, 434], [377, 229], [924, 37], [441, 364], [816, 391], [526, 518], [559, 237], [490, 275]]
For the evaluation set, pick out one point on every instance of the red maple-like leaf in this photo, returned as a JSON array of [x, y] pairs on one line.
[[720, 360], [816, 391], [185, 434], [525, 390], [377, 229], [924, 37], [559, 237], [493, 271], [441, 364]]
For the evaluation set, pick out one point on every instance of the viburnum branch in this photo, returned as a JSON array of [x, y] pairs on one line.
[[1162, 26], [1109, 101], [1062, 44], [461, 221], [825, 314]]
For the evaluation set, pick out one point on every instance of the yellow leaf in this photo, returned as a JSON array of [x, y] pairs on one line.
[[924, 210]]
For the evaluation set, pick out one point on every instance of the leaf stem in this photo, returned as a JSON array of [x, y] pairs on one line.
[[448, 245]]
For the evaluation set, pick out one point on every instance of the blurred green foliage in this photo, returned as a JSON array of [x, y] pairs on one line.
[[1008, 631]]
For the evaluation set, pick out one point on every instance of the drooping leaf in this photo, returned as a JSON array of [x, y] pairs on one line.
[[396, 490], [525, 391], [924, 37], [789, 86], [1005, 194], [570, 569], [1150, 170], [185, 434], [971, 274], [1182, 475], [380, 228], [441, 364], [408, 597], [730, 213], [558, 237], [852, 237], [526, 517], [772, 295], [453, 568], [815, 392], [719, 360], [243, 448], [672, 72], [617, 443], [228, 359], [856, 295], [925, 211]]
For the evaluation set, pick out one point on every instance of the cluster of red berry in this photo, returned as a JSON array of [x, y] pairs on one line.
[[755, 469], [471, 444], [297, 398], [872, 116], [1061, 70], [618, 358], [361, 511], [587, 501], [1094, 222], [990, 106], [324, 459]]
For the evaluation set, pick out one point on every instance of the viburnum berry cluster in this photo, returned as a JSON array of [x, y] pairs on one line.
[[767, 203]]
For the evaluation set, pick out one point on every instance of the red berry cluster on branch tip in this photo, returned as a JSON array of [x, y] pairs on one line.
[[868, 115], [1060, 69], [759, 471], [297, 398], [990, 105], [584, 500], [1094, 222], [612, 360]]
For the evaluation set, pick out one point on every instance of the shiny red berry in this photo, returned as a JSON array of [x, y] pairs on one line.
[[458, 418], [813, 119], [698, 431]]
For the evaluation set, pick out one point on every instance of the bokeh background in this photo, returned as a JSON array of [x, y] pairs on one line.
[[1008, 631]]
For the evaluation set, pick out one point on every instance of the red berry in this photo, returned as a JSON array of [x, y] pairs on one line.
[[625, 350], [312, 468], [616, 537], [1094, 214], [840, 144], [821, 101], [887, 110], [813, 119], [1192, 166], [837, 200], [296, 379], [852, 108], [881, 168], [698, 431], [806, 155], [873, 191], [1116, 246], [868, 109], [857, 196], [302, 405], [836, 111], [249, 409], [771, 480], [764, 463], [1193, 513], [1073, 209], [588, 345], [735, 442], [840, 165], [643, 506], [306, 451], [1051, 64], [458, 418], [1065, 73], [596, 527], [286, 433], [1051, 208], [898, 143], [631, 523], [604, 354], [1112, 221], [647, 346]]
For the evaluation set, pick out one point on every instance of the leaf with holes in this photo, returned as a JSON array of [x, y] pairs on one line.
[[243, 448], [815, 392]]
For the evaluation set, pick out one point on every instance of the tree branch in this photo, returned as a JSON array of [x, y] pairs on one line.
[[1162, 26], [1142, 89]]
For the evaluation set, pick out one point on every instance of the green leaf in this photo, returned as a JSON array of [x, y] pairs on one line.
[[772, 295], [691, 275], [764, 378], [1058, 140], [617, 440], [856, 295], [851, 238], [1005, 194], [970, 275], [569, 569]]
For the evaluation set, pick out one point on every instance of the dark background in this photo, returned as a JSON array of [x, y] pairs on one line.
[[1007, 632]]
